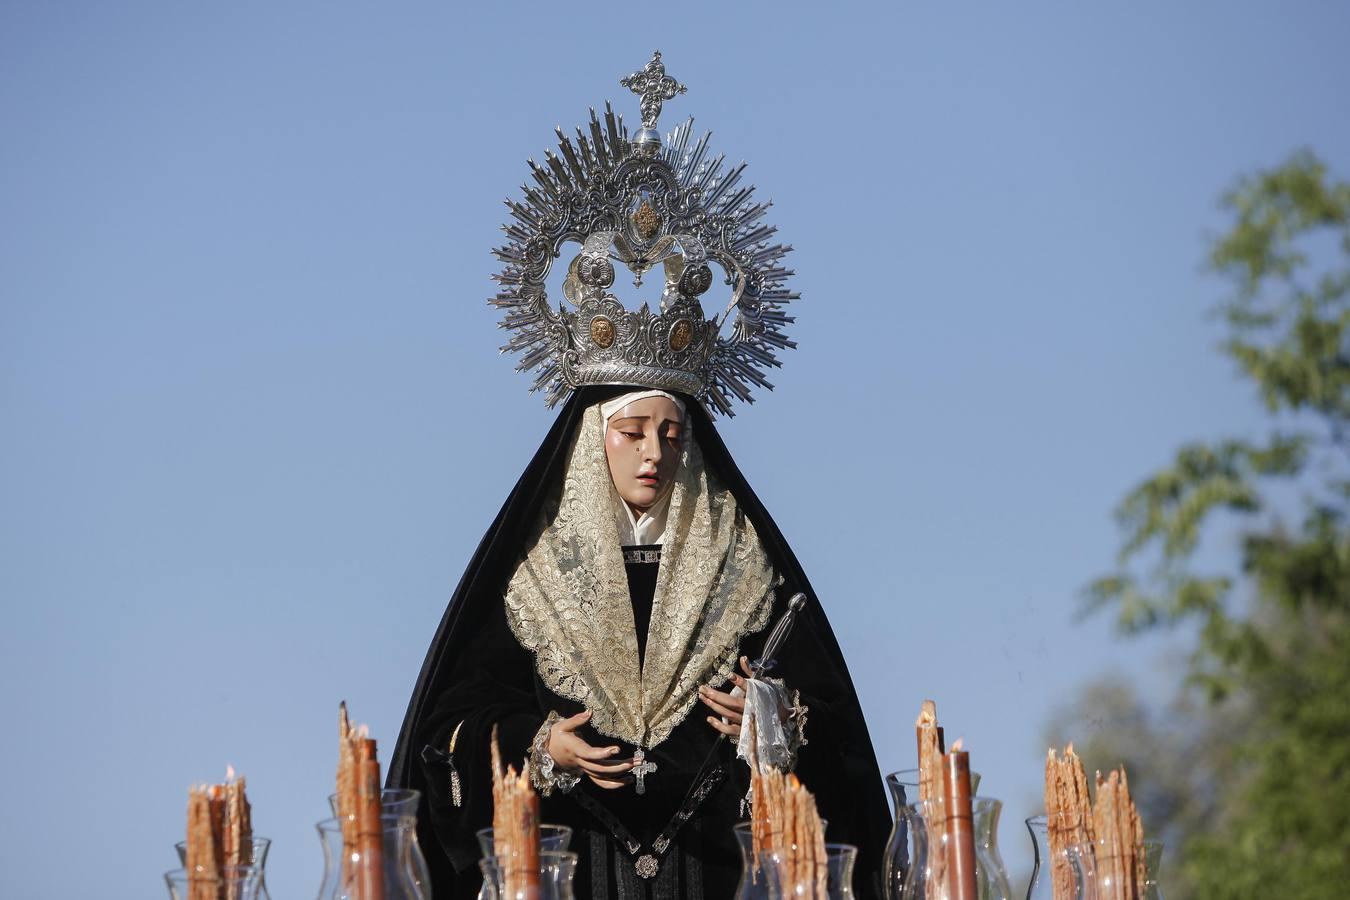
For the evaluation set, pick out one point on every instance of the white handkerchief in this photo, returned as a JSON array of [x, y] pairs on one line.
[[763, 707]]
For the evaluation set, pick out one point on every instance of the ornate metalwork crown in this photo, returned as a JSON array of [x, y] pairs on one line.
[[641, 202]]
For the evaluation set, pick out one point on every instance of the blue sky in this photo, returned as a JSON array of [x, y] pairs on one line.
[[255, 422]]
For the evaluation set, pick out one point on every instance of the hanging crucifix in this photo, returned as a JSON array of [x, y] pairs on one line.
[[642, 767]]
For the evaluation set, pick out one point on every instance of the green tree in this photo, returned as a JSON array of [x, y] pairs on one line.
[[1267, 809]]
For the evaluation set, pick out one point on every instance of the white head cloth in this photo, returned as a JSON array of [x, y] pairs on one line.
[[610, 407], [650, 527]]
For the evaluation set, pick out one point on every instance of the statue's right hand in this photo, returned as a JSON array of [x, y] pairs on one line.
[[572, 754]]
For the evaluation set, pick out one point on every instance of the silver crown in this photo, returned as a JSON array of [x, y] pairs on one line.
[[642, 202]]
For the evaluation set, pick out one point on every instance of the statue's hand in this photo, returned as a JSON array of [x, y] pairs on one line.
[[572, 754], [730, 708]]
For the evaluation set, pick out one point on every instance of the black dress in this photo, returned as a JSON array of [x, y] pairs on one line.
[[477, 676]]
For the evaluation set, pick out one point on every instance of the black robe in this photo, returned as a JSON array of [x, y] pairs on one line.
[[476, 675]]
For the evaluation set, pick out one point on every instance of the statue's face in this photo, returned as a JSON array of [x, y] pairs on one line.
[[642, 444]]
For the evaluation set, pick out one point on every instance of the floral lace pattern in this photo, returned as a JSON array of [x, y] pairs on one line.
[[797, 715], [568, 600]]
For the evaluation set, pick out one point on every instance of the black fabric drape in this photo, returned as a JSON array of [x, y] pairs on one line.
[[476, 676]]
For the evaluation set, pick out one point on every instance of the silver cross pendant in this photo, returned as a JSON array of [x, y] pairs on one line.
[[641, 769]]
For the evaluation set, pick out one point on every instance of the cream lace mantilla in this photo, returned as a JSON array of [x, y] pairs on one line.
[[568, 600]]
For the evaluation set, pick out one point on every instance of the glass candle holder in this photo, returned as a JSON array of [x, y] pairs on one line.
[[745, 839], [393, 802], [1151, 853], [904, 789], [258, 860], [927, 851], [750, 874], [1142, 881], [344, 867], [551, 838], [232, 883], [557, 868], [775, 879], [1070, 876], [403, 803]]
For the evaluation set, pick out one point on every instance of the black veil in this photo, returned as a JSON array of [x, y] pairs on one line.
[[839, 765]]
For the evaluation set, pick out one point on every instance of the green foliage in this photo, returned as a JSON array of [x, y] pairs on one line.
[[1284, 802], [1289, 323], [1270, 748]]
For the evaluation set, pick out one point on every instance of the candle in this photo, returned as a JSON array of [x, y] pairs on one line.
[[237, 834], [787, 823], [1119, 833], [960, 825], [359, 806], [370, 837], [529, 845], [515, 827], [929, 736], [200, 861], [218, 824]]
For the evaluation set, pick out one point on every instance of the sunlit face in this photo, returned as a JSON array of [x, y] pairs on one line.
[[642, 444]]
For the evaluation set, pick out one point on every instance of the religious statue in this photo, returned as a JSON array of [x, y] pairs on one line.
[[610, 621]]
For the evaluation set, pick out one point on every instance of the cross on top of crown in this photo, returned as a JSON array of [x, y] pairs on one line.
[[652, 85]]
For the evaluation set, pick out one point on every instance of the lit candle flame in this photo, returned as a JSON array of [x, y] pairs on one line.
[[956, 748]]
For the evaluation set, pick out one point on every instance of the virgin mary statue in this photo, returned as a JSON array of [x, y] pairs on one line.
[[611, 618]]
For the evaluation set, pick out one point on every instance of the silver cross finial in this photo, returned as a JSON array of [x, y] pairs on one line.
[[653, 85], [641, 769]]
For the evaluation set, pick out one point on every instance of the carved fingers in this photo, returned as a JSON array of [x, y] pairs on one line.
[[573, 754], [726, 728], [728, 708]]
